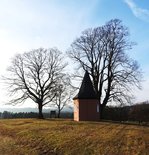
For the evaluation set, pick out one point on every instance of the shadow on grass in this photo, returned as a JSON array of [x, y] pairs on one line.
[[146, 124]]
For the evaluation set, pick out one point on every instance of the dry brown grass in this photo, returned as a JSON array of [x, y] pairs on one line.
[[45, 137]]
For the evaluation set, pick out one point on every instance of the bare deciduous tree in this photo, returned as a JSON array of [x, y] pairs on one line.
[[63, 95], [102, 51], [35, 75]]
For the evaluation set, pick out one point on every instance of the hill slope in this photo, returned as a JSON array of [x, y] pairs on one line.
[[35, 137]]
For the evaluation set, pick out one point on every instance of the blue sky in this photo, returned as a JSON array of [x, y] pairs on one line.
[[30, 24]]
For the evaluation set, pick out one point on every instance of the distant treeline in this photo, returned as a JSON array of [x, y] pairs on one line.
[[7, 114], [137, 113]]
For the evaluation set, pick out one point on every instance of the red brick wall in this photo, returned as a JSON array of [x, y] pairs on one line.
[[76, 110], [86, 110]]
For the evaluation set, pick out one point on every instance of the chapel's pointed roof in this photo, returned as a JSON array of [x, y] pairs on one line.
[[86, 90]]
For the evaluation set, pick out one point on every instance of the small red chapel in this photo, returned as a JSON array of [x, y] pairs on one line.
[[86, 105]]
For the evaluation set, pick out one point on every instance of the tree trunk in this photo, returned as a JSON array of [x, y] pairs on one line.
[[101, 111], [40, 115], [58, 114]]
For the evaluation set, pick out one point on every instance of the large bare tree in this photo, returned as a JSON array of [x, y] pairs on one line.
[[103, 52], [35, 75]]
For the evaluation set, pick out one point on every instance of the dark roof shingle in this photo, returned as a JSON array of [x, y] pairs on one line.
[[86, 90]]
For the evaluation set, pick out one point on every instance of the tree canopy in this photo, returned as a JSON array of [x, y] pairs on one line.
[[35, 75], [102, 51]]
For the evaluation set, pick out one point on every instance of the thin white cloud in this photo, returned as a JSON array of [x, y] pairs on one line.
[[140, 13]]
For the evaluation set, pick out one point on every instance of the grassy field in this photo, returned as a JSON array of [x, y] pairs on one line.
[[50, 137]]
